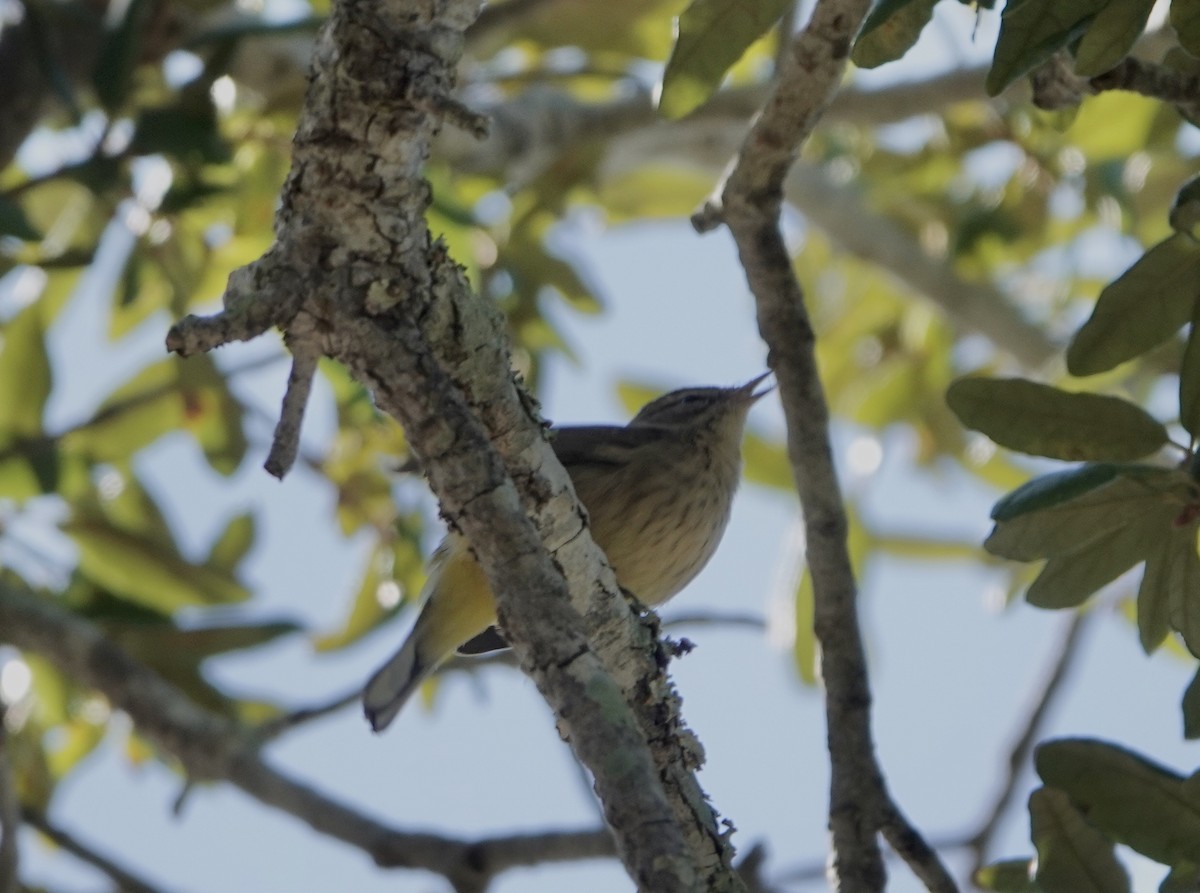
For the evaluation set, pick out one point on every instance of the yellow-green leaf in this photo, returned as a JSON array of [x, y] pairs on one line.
[[711, 36], [1073, 857], [1035, 418], [232, 545], [25, 377], [1148, 304], [1136, 802], [890, 31], [144, 572], [1111, 35], [1007, 876]]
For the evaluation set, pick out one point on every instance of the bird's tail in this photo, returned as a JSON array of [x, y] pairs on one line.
[[393, 684]]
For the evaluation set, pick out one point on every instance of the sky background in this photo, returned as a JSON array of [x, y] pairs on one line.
[[953, 671]]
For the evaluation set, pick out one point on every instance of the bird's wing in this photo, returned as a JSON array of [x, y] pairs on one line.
[[599, 445]]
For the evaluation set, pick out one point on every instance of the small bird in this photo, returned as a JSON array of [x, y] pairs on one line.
[[658, 494]]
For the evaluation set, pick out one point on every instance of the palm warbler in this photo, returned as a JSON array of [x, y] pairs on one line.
[[658, 493]]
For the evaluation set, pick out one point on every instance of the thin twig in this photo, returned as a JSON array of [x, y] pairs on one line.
[[126, 880], [10, 817], [210, 747], [306, 354], [1068, 651], [273, 728]]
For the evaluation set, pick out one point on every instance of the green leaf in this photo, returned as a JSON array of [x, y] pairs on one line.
[[1148, 304], [1191, 709], [1169, 594], [1111, 36], [890, 31], [1185, 210], [1007, 876], [712, 35], [232, 545], [119, 53], [1189, 383], [1182, 878], [766, 463], [1045, 421], [13, 222], [1185, 19], [401, 563], [1031, 31], [1066, 527], [1136, 802], [162, 642], [1053, 489], [145, 572], [25, 375], [1067, 581], [1073, 857], [1182, 580]]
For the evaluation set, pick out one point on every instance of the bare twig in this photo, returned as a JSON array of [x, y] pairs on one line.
[[1067, 653], [750, 204], [280, 725], [306, 353], [126, 880], [10, 816]]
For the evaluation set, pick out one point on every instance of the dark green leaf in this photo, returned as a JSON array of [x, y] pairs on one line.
[[25, 376], [190, 646], [1185, 19], [1111, 35], [13, 222], [890, 31], [1185, 210], [113, 74], [712, 35], [1050, 490], [1189, 383], [187, 131], [1031, 31], [1148, 304], [1182, 878], [1191, 709], [1073, 857], [1007, 876], [1182, 580], [1136, 802], [1036, 418]]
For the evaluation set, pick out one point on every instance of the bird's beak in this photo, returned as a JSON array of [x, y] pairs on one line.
[[747, 390]]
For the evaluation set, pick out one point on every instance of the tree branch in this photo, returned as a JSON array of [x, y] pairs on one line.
[[211, 748], [126, 880], [353, 253], [751, 200]]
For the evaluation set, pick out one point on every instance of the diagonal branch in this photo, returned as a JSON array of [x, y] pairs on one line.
[[210, 747], [751, 200], [355, 266], [126, 880]]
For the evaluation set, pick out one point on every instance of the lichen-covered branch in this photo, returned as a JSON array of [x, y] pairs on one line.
[[354, 275]]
